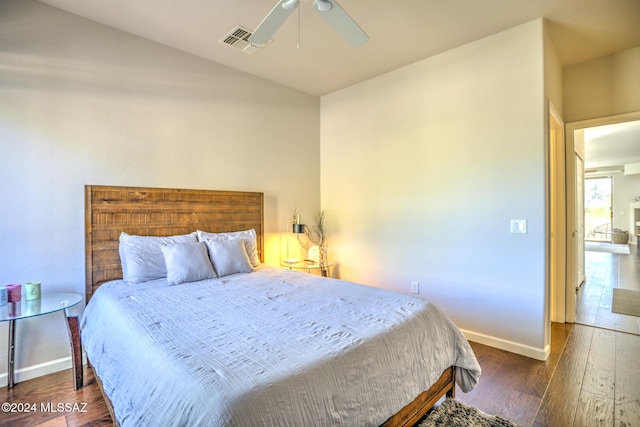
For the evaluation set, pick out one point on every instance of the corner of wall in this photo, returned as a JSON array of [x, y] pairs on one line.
[[553, 88]]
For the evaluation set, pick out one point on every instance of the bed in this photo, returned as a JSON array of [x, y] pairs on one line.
[[257, 346]]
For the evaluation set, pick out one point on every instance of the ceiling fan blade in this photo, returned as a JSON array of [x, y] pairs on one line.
[[273, 21], [341, 22]]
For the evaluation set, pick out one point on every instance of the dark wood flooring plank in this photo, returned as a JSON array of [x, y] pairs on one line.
[[490, 360], [561, 399], [520, 408], [513, 374], [627, 366], [507, 372], [627, 389], [60, 421], [535, 382], [512, 386], [599, 376], [594, 411], [88, 407], [627, 413]]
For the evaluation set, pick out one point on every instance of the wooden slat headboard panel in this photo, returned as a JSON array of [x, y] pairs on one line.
[[159, 212]]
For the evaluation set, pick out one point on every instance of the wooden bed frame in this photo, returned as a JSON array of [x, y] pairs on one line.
[[111, 210]]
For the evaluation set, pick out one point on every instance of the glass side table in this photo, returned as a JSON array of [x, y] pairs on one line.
[[50, 302], [309, 265]]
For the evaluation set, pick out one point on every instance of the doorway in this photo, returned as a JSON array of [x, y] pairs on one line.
[[598, 208], [575, 155]]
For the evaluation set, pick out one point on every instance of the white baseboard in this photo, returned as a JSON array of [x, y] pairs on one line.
[[513, 347], [38, 370]]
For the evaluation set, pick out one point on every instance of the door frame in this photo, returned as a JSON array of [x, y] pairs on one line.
[[576, 145], [556, 217], [575, 239]]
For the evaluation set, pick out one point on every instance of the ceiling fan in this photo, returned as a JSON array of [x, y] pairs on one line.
[[330, 10]]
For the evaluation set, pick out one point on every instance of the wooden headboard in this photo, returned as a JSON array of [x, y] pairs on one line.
[[159, 212]]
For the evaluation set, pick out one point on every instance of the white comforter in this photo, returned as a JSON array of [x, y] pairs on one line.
[[273, 347]]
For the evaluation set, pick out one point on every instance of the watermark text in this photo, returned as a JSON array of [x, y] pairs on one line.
[[23, 407]]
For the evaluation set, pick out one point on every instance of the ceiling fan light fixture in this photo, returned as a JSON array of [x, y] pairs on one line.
[[322, 5], [330, 11], [289, 4]]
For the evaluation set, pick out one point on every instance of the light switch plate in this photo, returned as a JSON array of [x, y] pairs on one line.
[[518, 226]]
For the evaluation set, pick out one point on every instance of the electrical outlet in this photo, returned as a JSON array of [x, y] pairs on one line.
[[415, 287]]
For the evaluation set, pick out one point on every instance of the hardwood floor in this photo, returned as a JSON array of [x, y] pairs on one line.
[[42, 395], [592, 377], [603, 272]]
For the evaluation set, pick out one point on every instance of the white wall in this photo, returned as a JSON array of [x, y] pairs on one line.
[[625, 188], [81, 103], [603, 87], [423, 168], [552, 73]]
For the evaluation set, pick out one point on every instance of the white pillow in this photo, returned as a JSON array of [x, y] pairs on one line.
[[141, 256], [249, 237], [229, 256], [187, 262]]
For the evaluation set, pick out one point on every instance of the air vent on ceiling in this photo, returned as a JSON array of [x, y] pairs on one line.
[[238, 39]]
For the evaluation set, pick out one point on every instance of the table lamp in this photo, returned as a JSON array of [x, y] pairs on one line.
[[295, 228]]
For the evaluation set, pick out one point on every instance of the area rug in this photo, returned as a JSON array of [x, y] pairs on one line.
[[607, 247], [626, 301], [452, 413]]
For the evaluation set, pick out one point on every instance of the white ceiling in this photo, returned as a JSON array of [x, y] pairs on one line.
[[401, 33], [612, 145]]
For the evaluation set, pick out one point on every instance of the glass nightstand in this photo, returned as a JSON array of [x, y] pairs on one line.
[[49, 302], [309, 266]]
